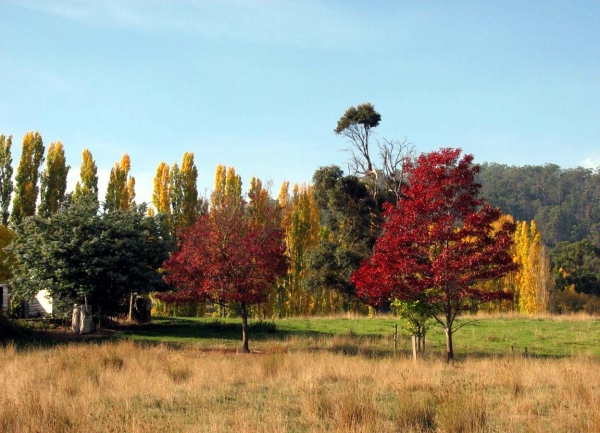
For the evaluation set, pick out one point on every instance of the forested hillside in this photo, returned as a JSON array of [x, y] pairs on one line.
[[565, 203]]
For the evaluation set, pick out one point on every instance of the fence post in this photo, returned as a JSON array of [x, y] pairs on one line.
[[414, 347], [395, 338]]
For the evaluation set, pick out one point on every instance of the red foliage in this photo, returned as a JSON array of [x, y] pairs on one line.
[[227, 257], [439, 241]]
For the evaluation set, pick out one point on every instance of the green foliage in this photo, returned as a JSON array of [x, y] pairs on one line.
[[77, 253], [415, 315], [577, 265], [356, 125], [26, 180], [564, 203], [350, 227], [363, 114], [6, 172], [189, 178]]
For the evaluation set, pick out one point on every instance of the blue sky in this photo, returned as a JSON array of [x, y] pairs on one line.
[[260, 85]]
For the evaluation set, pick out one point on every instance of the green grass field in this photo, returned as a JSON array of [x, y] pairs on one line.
[[559, 336]]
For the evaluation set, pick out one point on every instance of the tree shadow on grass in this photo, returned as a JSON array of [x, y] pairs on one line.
[[176, 332], [175, 328]]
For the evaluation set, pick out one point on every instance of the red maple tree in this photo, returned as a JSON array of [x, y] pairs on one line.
[[438, 242], [230, 257]]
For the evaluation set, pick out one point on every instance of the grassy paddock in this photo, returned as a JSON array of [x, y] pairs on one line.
[[543, 336], [131, 386], [308, 375]]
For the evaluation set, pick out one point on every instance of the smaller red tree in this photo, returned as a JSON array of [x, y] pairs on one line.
[[230, 257], [438, 242]]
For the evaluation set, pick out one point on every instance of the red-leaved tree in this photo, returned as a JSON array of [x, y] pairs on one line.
[[229, 256], [438, 242]]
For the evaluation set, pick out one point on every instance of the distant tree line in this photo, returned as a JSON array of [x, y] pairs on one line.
[[564, 203]]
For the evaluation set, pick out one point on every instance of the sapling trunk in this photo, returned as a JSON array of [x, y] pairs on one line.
[[244, 312]]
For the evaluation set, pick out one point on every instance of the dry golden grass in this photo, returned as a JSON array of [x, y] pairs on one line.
[[127, 387]]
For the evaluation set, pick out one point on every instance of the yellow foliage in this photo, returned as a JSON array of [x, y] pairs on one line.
[[161, 196], [7, 259], [534, 280]]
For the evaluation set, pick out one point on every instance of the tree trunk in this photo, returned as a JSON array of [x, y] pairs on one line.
[[130, 315], [449, 348], [244, 312]]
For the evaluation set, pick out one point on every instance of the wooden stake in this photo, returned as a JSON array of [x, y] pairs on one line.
[[414, 347], [395, 338]]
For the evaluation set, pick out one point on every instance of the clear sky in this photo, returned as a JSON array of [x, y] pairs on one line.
[[260, 85]]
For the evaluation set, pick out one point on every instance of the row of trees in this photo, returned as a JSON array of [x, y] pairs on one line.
[[397, 232], [433, 242], [71, 244]]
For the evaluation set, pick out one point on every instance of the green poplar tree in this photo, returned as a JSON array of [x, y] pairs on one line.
[[26, 180], [6, 172], [176, 196], [53, 180], [189, 179], [185, 204]]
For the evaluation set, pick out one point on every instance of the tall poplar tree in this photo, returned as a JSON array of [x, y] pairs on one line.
[[120, 193], [53, 180], [176, 196], [534, 279], [161, 195], [185, 204], [189, 178], [26, 180], [6, 172], [259, 199], [301, 227], [88, 173], [228, 187]]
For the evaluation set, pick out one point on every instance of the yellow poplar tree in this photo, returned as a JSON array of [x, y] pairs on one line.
[[120, 193], [258, 205], [161, 195], [185, 204], [300, 221], [189, 180], [259, 199], [534, 282], [7, 258], [26, 180], [54, 180], [88, 176], [228, 187]]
